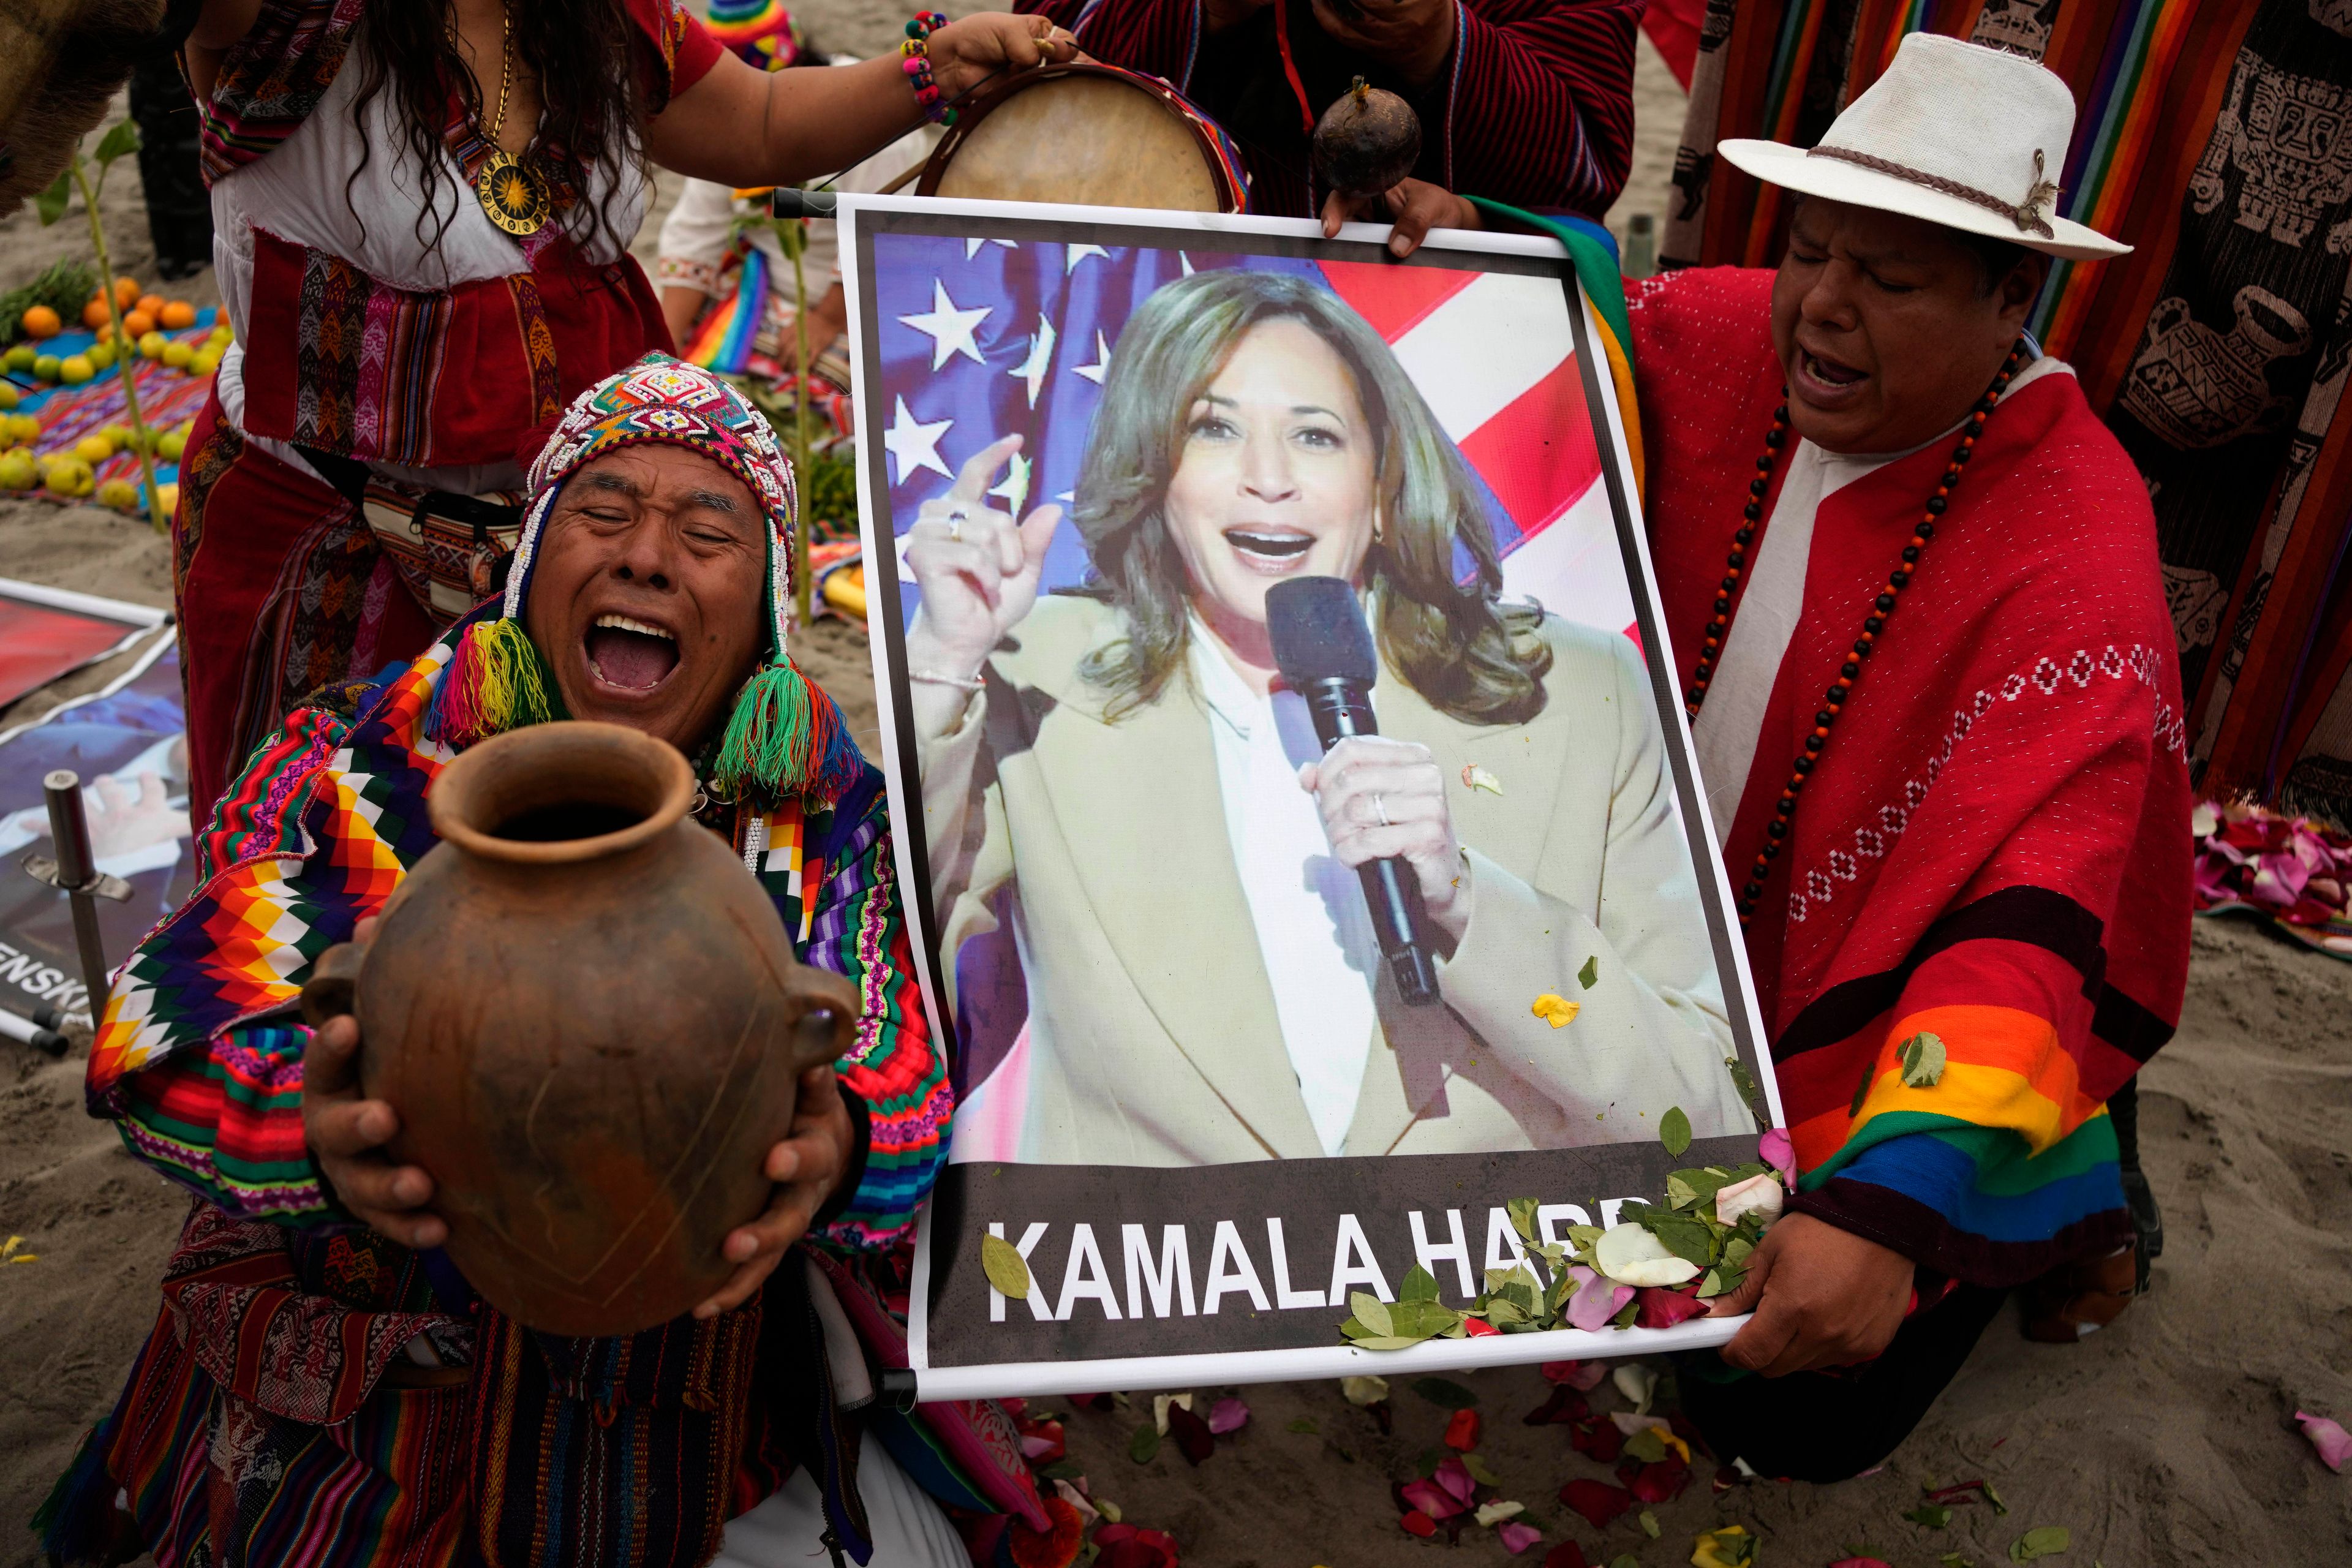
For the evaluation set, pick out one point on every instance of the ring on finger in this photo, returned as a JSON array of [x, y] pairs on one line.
[[1380, 806], [955, 524]]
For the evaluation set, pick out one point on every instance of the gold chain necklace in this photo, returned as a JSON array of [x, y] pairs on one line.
[[514, 196]]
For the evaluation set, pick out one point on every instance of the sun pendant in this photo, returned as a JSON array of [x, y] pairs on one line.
[[513, 193]]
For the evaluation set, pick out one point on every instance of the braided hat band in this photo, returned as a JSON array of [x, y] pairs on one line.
[[783, 736]]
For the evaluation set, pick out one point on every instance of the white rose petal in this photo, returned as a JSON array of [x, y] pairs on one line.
[[1493, 1513], [1631, 1256], [1364, 1390], [1757, 1195]]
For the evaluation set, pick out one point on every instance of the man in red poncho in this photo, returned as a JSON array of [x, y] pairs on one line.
[[1912, 583]]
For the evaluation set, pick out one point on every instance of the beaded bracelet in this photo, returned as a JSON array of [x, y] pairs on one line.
[[915, 59]]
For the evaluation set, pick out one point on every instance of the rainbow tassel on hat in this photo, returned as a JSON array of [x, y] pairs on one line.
[[723, 341], [497, 680], [786, 737]]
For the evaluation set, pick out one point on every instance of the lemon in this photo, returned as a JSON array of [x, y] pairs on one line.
[[72, 477], [28, 428], [20, 357], [99, 354], [19, 471], [171, 494], [45, 367], [174, 443], [93, 449], [203, 363], [120, 494], [8, 398], [76, 369], [177, 355], [152, 344], [120, 436]]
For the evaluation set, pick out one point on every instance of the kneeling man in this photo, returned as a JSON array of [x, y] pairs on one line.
[[323, 1385], [1912, 581]]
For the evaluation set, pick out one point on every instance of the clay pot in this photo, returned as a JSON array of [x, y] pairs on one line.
[[590, 1020]]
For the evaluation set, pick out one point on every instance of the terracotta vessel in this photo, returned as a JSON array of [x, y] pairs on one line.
[[589, 1017]]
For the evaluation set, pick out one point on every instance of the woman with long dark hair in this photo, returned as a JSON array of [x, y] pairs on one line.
[[422, 211], [1117, 796]]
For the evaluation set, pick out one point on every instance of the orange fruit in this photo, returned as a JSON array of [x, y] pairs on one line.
[[137, 325], [106, 333], [126, 292], [96, 314], [150, 303], [40, 321], [177, 315]]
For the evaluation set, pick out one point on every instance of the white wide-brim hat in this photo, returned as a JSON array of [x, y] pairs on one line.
[[1956, 133]]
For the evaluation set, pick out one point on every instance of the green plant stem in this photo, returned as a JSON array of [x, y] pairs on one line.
[[125, 353], [804, 600]]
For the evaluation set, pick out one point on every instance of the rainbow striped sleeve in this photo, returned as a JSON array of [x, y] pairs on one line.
[[227, 1124], [2003, 1166], [857, 929]]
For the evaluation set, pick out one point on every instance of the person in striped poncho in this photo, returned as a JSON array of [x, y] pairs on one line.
[[322, 1384], [1911, 583]]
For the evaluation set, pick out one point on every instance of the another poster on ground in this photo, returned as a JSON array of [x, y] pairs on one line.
[[1247, 1030]]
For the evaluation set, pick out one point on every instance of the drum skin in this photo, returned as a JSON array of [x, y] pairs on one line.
[[591, 1042], [1082, 134]]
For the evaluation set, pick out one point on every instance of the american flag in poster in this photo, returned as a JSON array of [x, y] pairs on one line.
[[985, 338]]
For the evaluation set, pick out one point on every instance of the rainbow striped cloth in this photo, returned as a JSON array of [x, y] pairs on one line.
[[722, 339]]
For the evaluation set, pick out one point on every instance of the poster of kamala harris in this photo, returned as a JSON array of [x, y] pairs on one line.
[[1297, 823]]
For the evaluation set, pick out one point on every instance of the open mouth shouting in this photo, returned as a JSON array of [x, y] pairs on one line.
[[1271, 551], [1824, 382], [627, 656]]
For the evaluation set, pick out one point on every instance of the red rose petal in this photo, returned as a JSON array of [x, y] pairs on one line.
[[1192, 1433], [1478, 1327], [1662, 1309], [1597, 1501], [1597, 1440], [1455, 1476], [1462, 1432], [1429, 1499], [1419, 1523], [1567, 1554], [1660, 1482], [1565, 1404]]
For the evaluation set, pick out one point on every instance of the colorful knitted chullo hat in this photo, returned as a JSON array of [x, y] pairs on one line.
[[783, 737], [761, 31]]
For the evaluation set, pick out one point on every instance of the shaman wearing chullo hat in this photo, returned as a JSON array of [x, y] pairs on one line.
[[649, 590]]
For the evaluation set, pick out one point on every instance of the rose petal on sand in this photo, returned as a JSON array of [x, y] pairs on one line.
[[1456, 1478], [1567, 1554], [2203, 820], [1597, 1501], [1163, 1403], [1660, 1482], [1628, 1423], [1775, 1148], [1130, 1546], [1596, 1299], [1462, 1432], [2335, 1445], [1364, 1390], [1584, 1376], [1729, 1547], [1596, 1440], [1077, 1499], [1419, 1523], [1636, 1381], [1565, 1404], [1192, 1433], [1427, 1496], [1517, 1537], [1757, 1195], [1493, 1513], [1228, 1414], [1631, 1256]]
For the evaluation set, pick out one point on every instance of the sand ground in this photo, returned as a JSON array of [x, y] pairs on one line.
[[2164, 1440]]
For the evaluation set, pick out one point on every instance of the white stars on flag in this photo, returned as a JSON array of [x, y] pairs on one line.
[[1013, 490], [1041, 355], [1101, 367], [949, 329], [971, 246], [1078, 253], [914, 447]]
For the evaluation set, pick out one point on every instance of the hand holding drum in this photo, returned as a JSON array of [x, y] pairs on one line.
[[588, 1045]]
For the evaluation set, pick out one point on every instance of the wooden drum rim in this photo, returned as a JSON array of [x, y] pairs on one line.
[[982, 105]]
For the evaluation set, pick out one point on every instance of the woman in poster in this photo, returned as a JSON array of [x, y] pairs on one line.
[[1119, 795]]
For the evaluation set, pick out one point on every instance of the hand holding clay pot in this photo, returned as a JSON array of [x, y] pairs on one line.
[[585, 1020]]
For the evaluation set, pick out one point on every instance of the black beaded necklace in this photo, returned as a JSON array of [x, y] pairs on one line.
[[1833, 700]]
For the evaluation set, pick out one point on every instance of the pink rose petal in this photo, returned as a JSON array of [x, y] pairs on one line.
[[1584, 1376], [1517, 1537], [1228, 1415], [1431, 1498], [1776, 1150], [2335, 1444], [1597, 1299], [1455, 1476]]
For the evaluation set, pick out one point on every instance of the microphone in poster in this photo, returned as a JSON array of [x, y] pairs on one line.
[[1325, 651]]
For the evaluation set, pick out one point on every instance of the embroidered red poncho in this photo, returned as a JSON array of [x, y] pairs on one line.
[[1994, 848]]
